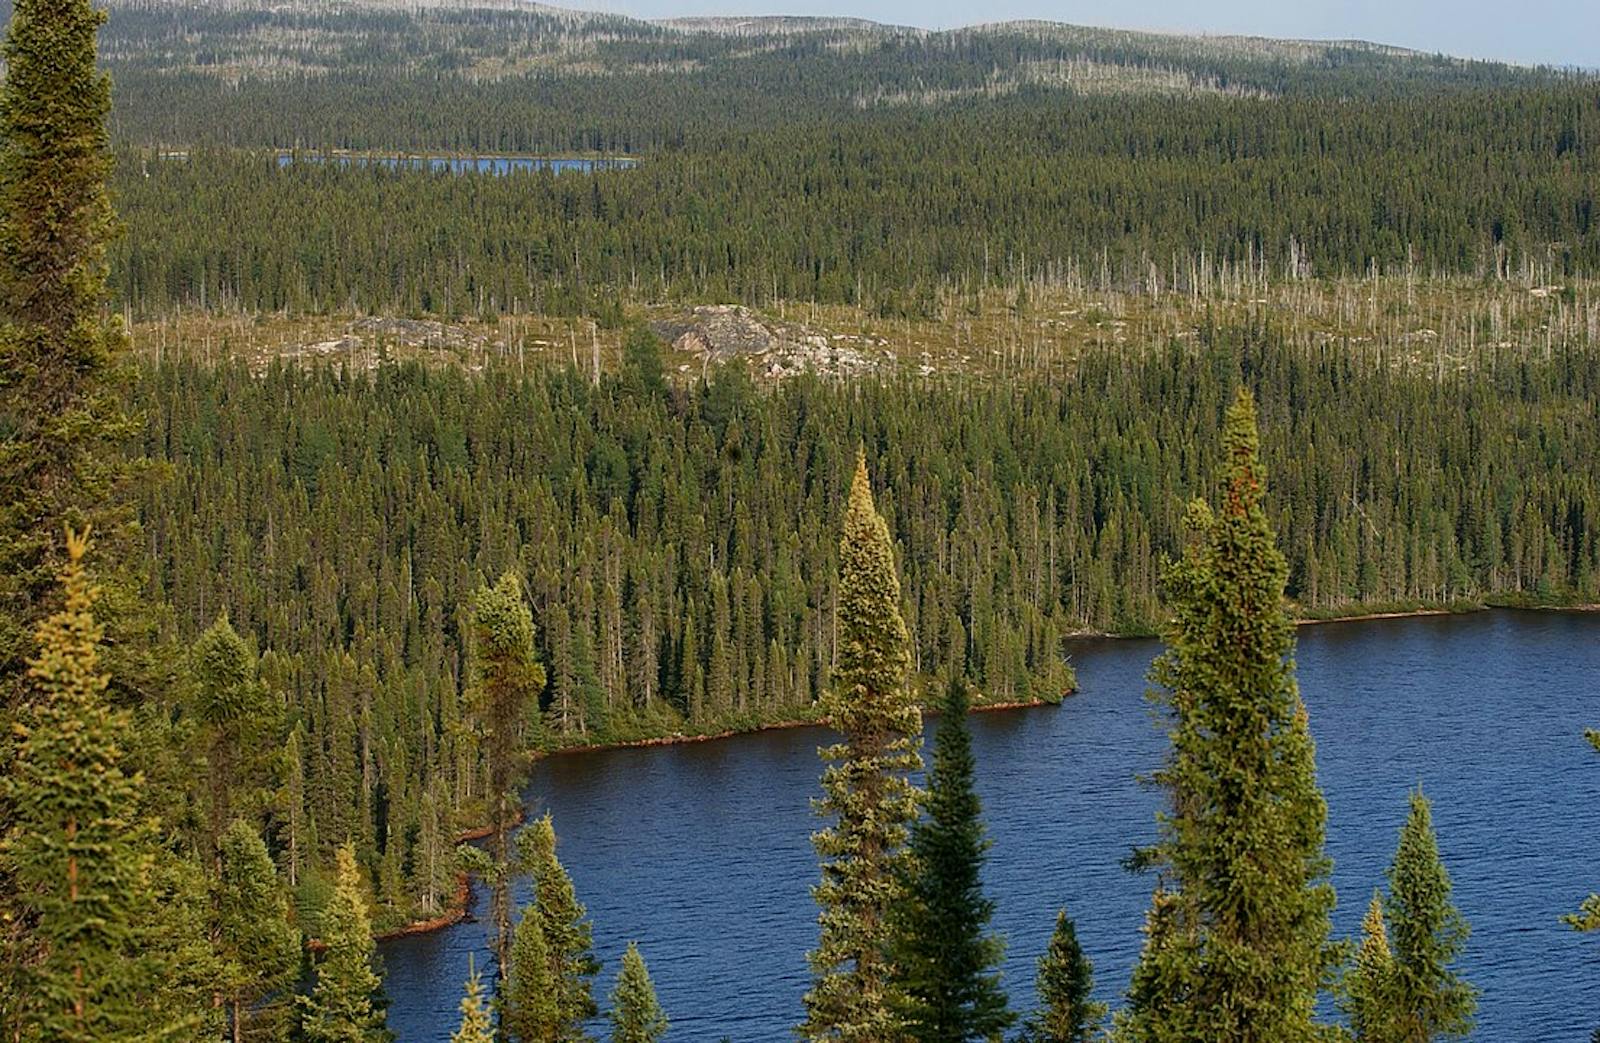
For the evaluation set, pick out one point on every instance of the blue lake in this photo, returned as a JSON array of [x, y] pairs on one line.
[[498, 165], [701, 852]]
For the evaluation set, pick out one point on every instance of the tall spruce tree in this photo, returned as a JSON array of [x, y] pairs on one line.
[[1240, 948], [258, 949], [92, 960], [1067, 1013], [1369, 984], [346, 1005], [477, 1025], [636, 1015], [867, 791], [240, 728], [564, 926], [946, 959], [508, 680], [1428, 999]]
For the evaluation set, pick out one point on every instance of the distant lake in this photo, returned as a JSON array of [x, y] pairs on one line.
[[701, 852], [464, 164]]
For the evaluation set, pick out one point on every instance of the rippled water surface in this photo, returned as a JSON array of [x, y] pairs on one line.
[[701, 852]]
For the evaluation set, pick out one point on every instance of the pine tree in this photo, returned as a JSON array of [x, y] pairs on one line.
[[346, 1005], [258, 947], [1245, 949], [1369, 985], [476, 1024], [1427, 933], [509, 679], [530, 1006], [565, 928], [866, 790], [946, 961], [91, 961], [1066, 1014], [636, 1016]]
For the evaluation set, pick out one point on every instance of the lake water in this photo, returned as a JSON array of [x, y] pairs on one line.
[[498, 165], [701, 852]]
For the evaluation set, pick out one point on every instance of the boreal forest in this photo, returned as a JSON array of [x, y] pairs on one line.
[[393, 396]]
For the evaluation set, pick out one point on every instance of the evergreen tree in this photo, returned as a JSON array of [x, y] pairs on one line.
[[346, 1005], [476, 1024], [1066, 1013], [1369, 985], [1247, 949], [636, 1016], [866, 790], [1427, 933], [531, 1008], [946, 961], [509, 679], [565, 929], [92, 962], [258, 948], [239, 728]]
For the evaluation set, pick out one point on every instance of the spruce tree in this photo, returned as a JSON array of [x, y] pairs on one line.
[[508, 680], [476, 1024], [239, 728], [1067, 1013], [93, 959], [346, 1005], [259, 949], [1369, 985], [636, 1015], [530, 1006], [946, 959], [1429, 999], [867, 792], [1244, 949], [565, 928]]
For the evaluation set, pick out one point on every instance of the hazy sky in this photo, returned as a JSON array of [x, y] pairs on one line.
[[1563, 32]]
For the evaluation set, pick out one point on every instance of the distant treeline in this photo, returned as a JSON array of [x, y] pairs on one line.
[[679, 544], [887, 209]]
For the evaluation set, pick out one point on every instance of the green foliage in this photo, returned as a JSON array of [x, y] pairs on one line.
[[636, 1016], [477, 1026], [945, 957], [83, 943], [1245, 949], [1427, 933], [346, 1005], [508, 680], [1369, 985], [258, 948], [567, 937], [1067, 1012], [240, 727], [1587, 918], [866, 790], [531, 1007]]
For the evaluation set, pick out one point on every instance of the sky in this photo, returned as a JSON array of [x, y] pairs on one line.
[[1557, 32]]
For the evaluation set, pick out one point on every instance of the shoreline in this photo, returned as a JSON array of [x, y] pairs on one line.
[[456, 911]]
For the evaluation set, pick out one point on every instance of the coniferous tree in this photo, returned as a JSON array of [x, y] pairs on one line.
[[509, 679], [92, 962], [866, 790], [564, 927], [530, 1007], [346, 1005], [259, 949], [477, 1026], [1244, 949], [1429, 999], [1369, 985], [946, 959], [239, 728], [636, 1015], [1067, 1013]]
